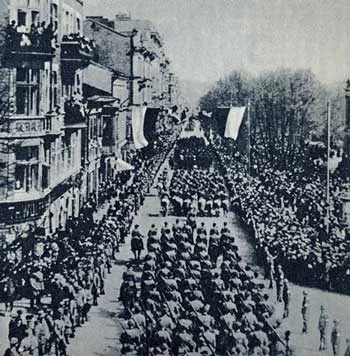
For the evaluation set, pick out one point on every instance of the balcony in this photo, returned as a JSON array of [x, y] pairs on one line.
[[77, 51], [74, 117], [28, 49]]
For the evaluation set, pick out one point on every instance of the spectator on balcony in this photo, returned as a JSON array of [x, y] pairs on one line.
[[11, 32], [25, 41], [48, 36], [41, 28], [34, 36]]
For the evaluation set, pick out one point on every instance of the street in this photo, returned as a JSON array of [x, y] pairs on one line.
[[100, 336]]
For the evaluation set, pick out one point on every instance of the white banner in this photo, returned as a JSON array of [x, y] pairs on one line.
[[234, 120], [138, 117]]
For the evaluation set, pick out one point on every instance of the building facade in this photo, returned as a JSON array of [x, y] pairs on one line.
[[67, 105], [134, 50], [43, 129]]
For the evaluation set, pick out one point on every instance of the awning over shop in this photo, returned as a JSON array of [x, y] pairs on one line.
[[31, 142], [101, 100]]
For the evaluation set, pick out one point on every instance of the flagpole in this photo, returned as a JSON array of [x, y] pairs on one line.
[[249, 148], [328, 161]]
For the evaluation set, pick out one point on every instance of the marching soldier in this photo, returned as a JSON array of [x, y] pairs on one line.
[[214, 241], [136, 243], [279, 282]]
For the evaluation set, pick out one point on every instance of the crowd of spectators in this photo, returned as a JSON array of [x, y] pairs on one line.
[[86, 45], [38, 37], [63, 274], [286, 209]]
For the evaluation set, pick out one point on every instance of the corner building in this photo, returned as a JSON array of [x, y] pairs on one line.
[[44, 155]]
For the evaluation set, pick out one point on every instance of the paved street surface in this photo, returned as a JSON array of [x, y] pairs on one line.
[[100, 335]]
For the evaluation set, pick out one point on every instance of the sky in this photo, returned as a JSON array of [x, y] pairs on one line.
[[206, 39]]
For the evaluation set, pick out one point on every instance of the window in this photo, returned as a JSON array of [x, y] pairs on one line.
[[66, 32], [67, 90], [128, 130], [45, 177], [19, 177], [27, 91], [78, 26], [26, 177], [27, 153], [21, 18], [35, 17], [54, 88], [54, 16], [78, 79]]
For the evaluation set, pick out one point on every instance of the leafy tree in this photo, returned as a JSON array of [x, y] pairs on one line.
[[286, 105], [235, 89]]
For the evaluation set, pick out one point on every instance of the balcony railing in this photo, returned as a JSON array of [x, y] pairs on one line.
[[31, 48], [74, 113], [77, 50]]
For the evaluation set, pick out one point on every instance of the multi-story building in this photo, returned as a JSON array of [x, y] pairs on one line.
[[108, 89], [43, 129], [134, 49]]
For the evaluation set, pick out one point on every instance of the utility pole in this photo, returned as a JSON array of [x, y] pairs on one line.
[[249, 143], [328, 162]]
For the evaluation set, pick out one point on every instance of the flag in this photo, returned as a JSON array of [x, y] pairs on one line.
[[144, 125], [229, 121], [138, 117], [150, 123]]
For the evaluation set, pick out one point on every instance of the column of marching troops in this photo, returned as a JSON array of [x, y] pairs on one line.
[[196, 297], [69, 277]]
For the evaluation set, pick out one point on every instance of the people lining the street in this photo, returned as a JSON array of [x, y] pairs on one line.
[[68, 277], [195, 296], [286, 210]]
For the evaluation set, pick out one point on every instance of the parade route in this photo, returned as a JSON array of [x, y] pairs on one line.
[[100, 336], [156, 200]]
